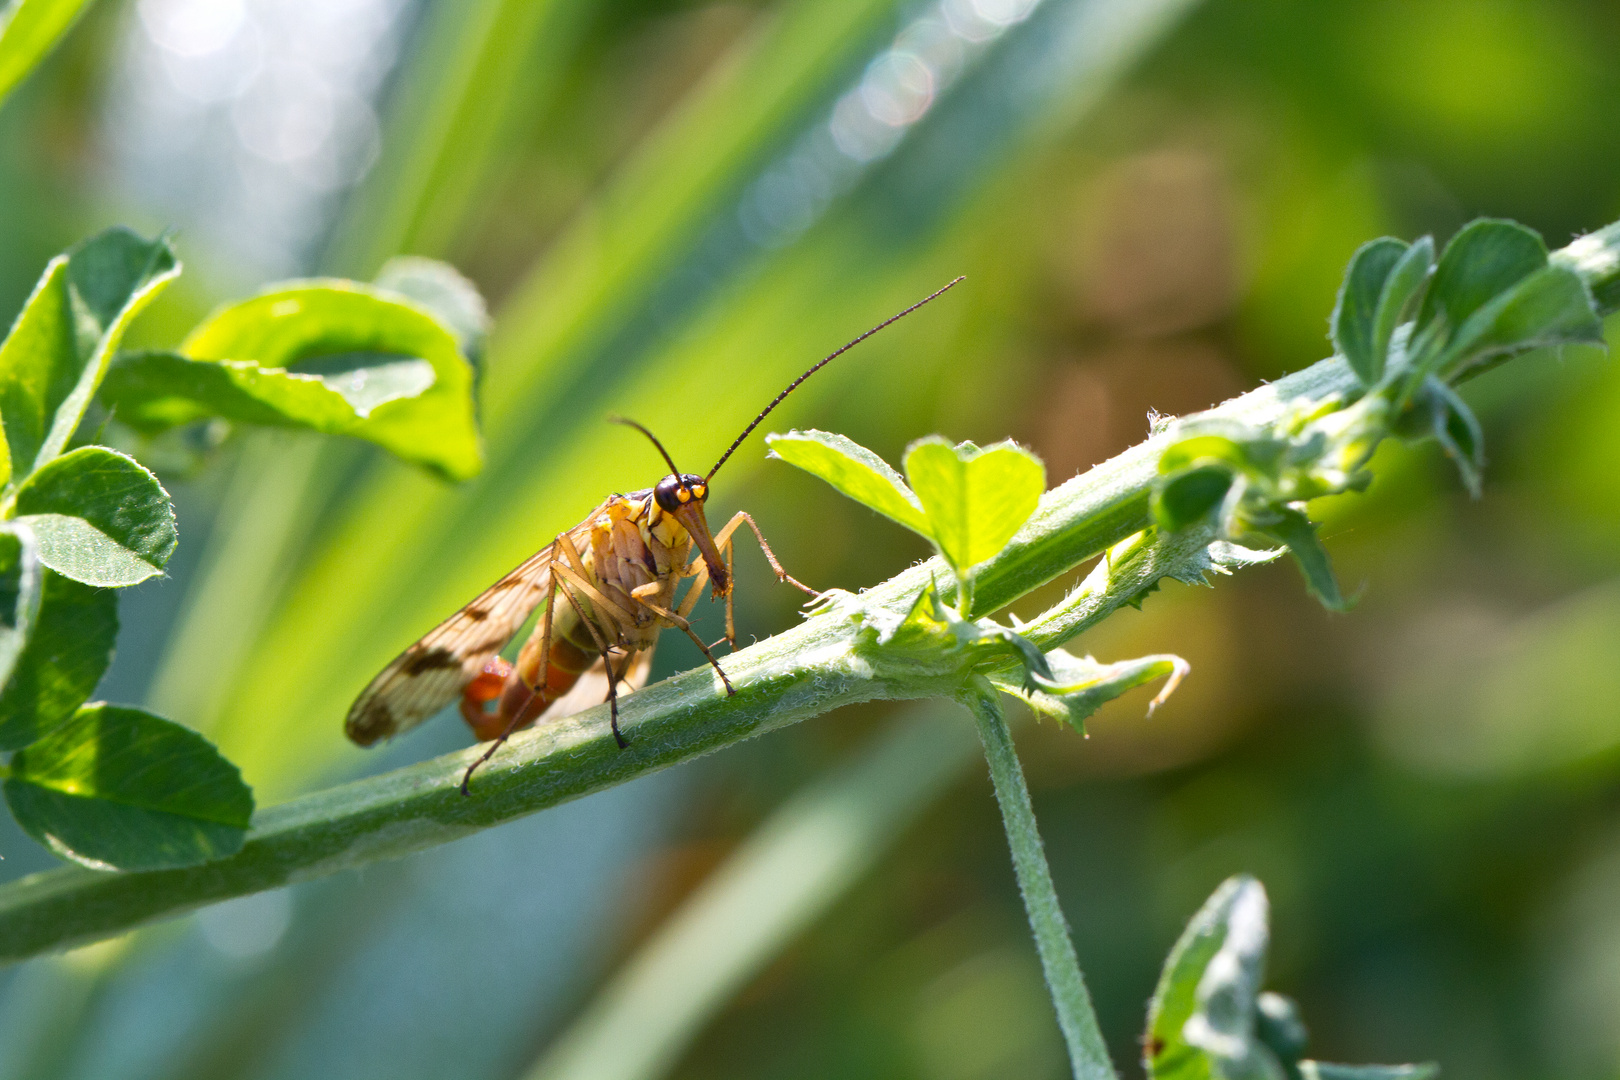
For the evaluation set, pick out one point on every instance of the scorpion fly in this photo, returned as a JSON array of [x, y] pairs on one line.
[[616, 574]]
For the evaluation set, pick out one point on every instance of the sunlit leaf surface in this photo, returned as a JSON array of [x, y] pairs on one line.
[[120, 788], [100, 517]]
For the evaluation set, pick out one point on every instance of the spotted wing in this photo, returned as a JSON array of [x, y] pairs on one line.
[[433, 672]]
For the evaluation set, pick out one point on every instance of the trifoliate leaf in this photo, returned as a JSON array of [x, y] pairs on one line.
[[1201, 1021], [975, 499], [336, 356]]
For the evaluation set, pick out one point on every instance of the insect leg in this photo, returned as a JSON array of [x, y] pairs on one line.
[[770, 556], [685, 627], [731, 617], [565, 582], [573, 572], [700, 578], [517, 714]]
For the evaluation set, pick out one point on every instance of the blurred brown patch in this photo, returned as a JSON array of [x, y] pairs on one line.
[[663, 881], [1093, 408], [1148, 256], [1153, 250]]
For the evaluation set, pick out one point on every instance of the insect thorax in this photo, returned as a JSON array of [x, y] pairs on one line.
[[634, 543]]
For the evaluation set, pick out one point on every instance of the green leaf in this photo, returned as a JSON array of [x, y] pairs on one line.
[[441, 289], [57, 352], [1296, 531], [1187, 497], [100, 517], [1076, 686], [20, 584], [1278, 1025], [1321, 1070], [119, 788], [1355, 315], [154, 391], [68, 649], [1549, 307], [1201, 1020], [1404, 290], [1455, 428], [854, 471], [1034, 662], [1485, 258], [396, 367], [975, 499], [29, 29]]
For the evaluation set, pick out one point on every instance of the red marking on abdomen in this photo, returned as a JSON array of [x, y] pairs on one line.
[[506, 687]]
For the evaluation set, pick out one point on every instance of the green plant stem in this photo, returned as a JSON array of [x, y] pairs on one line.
[[1088, 1054], [808, 670]]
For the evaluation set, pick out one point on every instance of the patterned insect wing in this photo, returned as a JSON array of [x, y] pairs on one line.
[[433, 672]]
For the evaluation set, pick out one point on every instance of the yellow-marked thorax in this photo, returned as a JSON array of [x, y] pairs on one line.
[[634, 543]]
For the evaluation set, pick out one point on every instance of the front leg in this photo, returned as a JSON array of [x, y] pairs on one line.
[[685, 627], [781, 575]]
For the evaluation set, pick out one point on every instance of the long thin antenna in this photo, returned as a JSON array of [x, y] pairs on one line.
[[627, 422], [794, 385]]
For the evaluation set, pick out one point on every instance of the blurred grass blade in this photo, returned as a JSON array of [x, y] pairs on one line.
[[788, 872], [477, 69], [658, 286], [264, 525], [29, 30]]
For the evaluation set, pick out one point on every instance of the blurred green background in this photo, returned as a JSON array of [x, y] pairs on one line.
[[673, 208]]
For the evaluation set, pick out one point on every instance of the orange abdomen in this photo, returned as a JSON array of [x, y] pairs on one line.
[[516, 692]]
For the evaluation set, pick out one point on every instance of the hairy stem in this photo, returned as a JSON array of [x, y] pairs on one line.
[[808, 670], [1088, 1054]]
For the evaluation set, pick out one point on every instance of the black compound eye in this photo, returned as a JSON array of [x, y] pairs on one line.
[[668, 493]]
